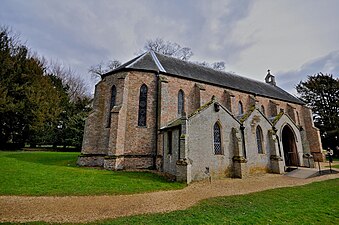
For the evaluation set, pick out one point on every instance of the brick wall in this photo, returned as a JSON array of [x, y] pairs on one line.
[[124, 136]]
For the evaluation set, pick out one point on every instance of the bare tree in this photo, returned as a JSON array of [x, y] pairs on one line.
[[175, 50], [98, 70], [157, 45], [216, 65], [76, 86], [168, 48]]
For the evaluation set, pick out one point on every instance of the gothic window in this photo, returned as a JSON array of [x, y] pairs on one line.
[[259, 140], [112, 104], [113, 96], [217, 139], [169, 142], [240, 108], [298, 119], [142, 106], [263, 109], [181, 102]]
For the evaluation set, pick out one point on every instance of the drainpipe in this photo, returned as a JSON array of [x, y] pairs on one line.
[[157, 86], [242, 128]]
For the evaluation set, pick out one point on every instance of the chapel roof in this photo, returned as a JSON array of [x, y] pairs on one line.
[[156, 62]]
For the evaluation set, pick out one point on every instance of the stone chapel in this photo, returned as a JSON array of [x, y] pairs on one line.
[[193, 122]]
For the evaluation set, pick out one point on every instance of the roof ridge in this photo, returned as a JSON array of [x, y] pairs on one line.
[[157, 62], [135, 61]]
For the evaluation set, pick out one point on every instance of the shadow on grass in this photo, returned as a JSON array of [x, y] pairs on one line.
[[45, 158], [68, 159]]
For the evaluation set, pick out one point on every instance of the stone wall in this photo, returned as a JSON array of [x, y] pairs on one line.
[[123, 136], [257, 162], [170, 159], [204, 161]]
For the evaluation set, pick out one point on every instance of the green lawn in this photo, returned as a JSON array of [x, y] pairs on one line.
[[316, 203], [335, 166], [55, 173]]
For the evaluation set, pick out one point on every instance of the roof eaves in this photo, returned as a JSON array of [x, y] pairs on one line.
[[235, 89], [201, 108], [174, 123]]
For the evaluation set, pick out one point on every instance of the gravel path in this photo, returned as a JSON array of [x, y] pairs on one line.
[[91, 208]]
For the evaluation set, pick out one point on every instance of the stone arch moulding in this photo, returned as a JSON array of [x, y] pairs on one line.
[[297, 142], [293, 131], [290, 148]]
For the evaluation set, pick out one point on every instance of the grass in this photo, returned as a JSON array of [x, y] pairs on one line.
[[315, 203], [334, 166], [56, 174]]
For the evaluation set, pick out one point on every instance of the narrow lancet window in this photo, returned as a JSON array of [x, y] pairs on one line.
[[217, 139], [113, 96], [181, 102], [112, 104], [259, 140], [142, 115], [240, 108], [263, 109]]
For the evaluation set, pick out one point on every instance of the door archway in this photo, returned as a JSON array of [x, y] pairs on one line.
[[290, 147]]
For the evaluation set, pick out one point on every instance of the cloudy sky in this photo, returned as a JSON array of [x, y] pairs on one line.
[[293, 38]]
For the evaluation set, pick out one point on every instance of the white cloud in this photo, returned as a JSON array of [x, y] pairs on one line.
[[327, 64], [251, 36], [286, 35]]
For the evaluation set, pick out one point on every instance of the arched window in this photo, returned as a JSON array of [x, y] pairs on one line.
[[259, 140], [112, 104], [263, 109], [217, 139], [113, 96], [240, 108], [181, 102], [142, 106]]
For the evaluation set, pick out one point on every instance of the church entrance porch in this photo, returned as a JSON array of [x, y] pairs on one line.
[[290, 147]]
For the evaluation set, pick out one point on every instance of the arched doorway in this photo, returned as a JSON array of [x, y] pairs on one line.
[[290, 147]]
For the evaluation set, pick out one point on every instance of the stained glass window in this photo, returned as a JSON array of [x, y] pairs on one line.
[[217, 139], [142, 106]]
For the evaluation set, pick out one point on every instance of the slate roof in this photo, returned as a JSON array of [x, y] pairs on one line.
[[155, 62]]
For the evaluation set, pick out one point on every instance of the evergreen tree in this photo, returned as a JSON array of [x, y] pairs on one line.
[[36, 106], [28, 99], [321, 93]]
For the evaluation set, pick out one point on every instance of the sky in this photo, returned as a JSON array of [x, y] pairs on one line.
[[292, 38]]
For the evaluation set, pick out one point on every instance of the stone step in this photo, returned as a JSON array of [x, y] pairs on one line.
[[303, 173]]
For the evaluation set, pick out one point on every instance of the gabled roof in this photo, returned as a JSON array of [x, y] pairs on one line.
[[155, 62], [243, 118], [178, 121]]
